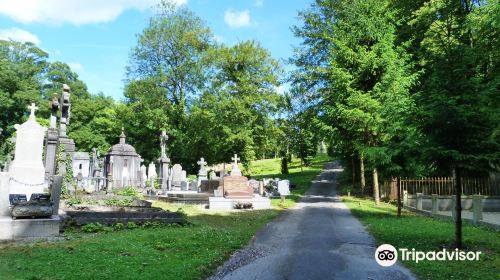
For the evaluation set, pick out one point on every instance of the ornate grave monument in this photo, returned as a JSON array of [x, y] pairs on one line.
[[121, 165]]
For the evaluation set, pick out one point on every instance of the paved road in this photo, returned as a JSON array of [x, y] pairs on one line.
[[317, 239]]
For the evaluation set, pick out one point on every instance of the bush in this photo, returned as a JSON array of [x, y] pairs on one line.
[[132, 225], [118, 226], [118, 202], [93, 227], [127, 191]]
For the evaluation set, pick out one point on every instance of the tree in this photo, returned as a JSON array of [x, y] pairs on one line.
[[459, 87], [234, 114], [360, 78]]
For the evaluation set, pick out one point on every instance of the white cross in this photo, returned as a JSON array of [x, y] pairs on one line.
[[202, 162], [32, 108], [235, 159]]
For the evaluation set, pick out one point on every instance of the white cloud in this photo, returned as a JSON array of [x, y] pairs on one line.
[[76, 12], [237, 19], [258, 3], [17, 34]]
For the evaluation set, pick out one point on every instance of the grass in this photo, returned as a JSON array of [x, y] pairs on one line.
[[427, 234], [167, 252]]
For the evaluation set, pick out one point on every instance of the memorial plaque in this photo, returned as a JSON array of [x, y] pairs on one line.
[[16, 198], [237, 187]]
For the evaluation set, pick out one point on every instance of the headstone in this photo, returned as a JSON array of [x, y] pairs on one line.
[[202, 173], [208, 186], [284, 187], [144, 175], [176, 175], [27, 173], [152, 171], [81, 164], [235, 170], [164, 161], [184, 186], [183, 176], [254, 184], [52, 138], [69, 144], [237, 187]]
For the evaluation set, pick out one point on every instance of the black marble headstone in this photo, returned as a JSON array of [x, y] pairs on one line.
[[40, 197], [16, 198]]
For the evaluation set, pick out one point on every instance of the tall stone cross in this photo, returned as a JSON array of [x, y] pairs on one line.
[[33, 108], [163, 143], [202, 163], [235, 159]]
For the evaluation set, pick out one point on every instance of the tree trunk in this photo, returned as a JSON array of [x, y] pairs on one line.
[[376, 194], [398, 192], [458, 221], [362, 173], [353, 172]]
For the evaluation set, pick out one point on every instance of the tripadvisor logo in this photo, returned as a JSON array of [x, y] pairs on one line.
[[387, 255]]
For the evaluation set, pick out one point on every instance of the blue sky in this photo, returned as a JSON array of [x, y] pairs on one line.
[[95, 37]]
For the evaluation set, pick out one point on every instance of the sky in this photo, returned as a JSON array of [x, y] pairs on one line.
[[95, 37]]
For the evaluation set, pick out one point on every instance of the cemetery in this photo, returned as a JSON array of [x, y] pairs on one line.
[[258, 139]]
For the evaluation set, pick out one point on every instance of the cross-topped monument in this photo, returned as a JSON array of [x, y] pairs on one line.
[[235, 159], [235, 170], [202, 163], [33, 108], [163, 143]]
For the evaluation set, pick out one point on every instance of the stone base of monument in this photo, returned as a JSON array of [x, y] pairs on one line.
[[222, 203], [28, 228], [188, 197]]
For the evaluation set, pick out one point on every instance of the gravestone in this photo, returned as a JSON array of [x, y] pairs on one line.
[[237, 187], [121, 165], [144, 176], [176, 175], [27, 173], [202, 173], [81, 164], [52, 138], [284, 187], [235, 170], [152, 175], [164, 161], [254, 184], [208, 186], [65, 105], [183, 176]]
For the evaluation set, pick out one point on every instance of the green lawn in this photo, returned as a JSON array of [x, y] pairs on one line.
[[166, 252], [427, 234]]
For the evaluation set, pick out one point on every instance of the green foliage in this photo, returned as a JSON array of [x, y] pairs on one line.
[[428, 234], [118, 202], [93, 227], [127, 191], [66, 162], [284, 165]]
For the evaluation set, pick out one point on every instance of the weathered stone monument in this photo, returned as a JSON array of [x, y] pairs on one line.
[[235, 170], [164, 161], [176, 176], [152, 175], [26, 179], [52, 138], [202, 173], [81, 164], [69, 144], [27, 173], [235, 189], [121, 165]]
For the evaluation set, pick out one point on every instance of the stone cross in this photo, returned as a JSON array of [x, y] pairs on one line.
[[54, 108], [32, 108], [202, 163], [235, 159], [163, 143]]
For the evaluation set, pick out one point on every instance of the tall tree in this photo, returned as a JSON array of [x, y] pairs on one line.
[[360, 77]]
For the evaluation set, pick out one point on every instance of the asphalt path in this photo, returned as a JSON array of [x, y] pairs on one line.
[[317, 239]]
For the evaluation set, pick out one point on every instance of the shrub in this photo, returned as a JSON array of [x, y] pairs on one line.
[[127, 191], [132, 225], [93, 227], [118, 226]]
